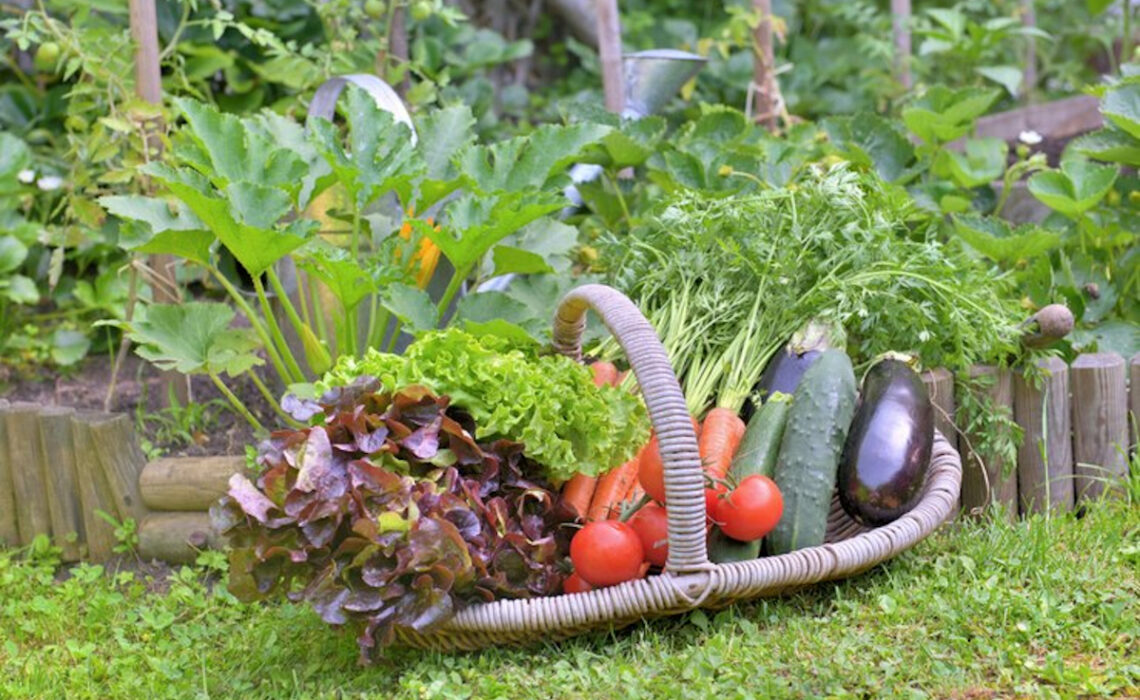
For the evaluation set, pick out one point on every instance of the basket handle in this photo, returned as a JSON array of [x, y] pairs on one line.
[[684, 479]]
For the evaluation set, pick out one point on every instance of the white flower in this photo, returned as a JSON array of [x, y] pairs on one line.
[[1029, 138], [48, 183], [26, 176]]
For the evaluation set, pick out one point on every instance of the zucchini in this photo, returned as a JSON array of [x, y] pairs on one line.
[[810, 451], [761, 441], [723, 549]]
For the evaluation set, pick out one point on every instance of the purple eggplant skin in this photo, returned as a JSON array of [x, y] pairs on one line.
[[888, 447], [782, 373]]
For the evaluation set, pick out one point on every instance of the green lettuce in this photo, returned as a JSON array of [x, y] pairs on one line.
[[547, 402]]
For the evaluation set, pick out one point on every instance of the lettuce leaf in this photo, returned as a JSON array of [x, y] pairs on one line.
[[512, 391]]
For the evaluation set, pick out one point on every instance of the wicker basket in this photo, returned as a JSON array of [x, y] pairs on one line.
[[689, 579]]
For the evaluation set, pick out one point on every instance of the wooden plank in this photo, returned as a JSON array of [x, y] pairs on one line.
[[986, 479], [176, 537], [9, 527], [940, 385], [1134, 400], [609, 50], [94, 493], [24, 457], [59, 477], [187, 483], [113, 440], [1045, 457], [900, 30], [1057, 119], [1100, 429]]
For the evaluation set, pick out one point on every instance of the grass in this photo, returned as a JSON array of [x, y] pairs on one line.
[[1040, 608]]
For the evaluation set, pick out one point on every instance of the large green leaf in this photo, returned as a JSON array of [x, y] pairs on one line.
[[194, 337], [527, 161], [379, 155], [1074, 189], [256, 248], [993, 238], [1121, 337], [487, 312], [411, 305], [442, 134], [157, 226], [1111, 145], [19, 289], [344, 277], [226, 149], [482, 221], [1121, 106], [68, 346], [14, 157]]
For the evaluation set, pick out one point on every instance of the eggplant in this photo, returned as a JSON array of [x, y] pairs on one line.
[[887, 452]]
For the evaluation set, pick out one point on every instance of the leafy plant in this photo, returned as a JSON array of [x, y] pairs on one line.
[[388, 515]]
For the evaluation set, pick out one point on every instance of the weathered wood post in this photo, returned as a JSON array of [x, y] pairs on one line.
[[1100, 428], [61, 480], [24, 459], [609, 50], [94, 493], [1029, 19], [9, 527], [940, 385], [187, 484], [763, 67], [1134, 401], [986, 478], [1045, 457], [176, 537]]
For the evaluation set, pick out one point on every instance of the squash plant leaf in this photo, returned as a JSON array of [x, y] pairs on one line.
[[194, 338], [1074, 189], [411, 305], [228, 149], [153, 225], [516, 260], [526, 161], [442, 134], [345, 278], [496, 313], [376, 155], [484, 221]]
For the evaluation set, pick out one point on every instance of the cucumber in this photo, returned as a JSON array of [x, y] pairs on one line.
[[810, 450], [761, 441], [756, 455], [723, 549]]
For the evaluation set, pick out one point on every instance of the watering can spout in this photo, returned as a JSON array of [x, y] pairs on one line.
[[653, 77]]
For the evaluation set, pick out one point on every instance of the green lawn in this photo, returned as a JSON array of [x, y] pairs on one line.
[[1041, 608]]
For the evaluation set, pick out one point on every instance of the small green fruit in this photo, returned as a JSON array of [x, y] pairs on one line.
[[47, 56], [421, 10], [375, 8]]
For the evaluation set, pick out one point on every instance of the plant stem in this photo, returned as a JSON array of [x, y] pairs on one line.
[[255, 322], [124, 342], [275, 331], [237, 404], [273, 402], [452, 289], [286, 303]]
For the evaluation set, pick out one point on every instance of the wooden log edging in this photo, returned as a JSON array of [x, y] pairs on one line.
[[1045, 457], [1100, 424], [986, 478]]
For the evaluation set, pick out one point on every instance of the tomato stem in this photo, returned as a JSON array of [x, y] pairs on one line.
[[628, 511]]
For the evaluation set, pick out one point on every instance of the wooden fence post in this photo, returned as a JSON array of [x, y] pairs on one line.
[[24, 457], [764, 105], [187, 483], [175, 537], [1045, 457], [940, 385], [9, 526], [94, 493], [58, 455], [1100, 429], [609, 49], [900, 28], [980, 470], [1134, 401]]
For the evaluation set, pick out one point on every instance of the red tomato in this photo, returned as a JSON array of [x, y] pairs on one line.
[[712, 499], [651, 524], [606, 552], [575, 584], [751, 510]]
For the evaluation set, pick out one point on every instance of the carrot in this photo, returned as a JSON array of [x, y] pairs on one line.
[[604, 373], [611, 490], [651, 470], [578, 492], [720, 436], [633, 495]]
